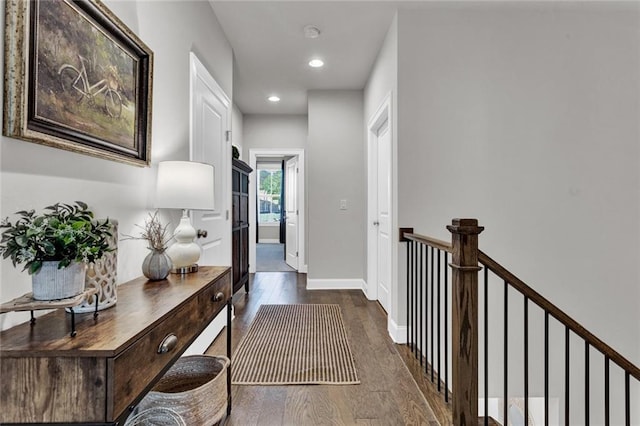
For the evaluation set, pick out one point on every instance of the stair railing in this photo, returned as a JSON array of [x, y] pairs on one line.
[[433, 296]]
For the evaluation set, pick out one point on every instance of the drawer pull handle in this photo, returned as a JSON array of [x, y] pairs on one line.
[[218, 297], [167, 344]]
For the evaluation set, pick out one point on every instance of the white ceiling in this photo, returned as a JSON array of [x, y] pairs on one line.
[[272, 53]]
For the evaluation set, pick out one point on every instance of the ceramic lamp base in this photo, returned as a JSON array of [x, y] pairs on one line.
[[184, 252], [185, 269]]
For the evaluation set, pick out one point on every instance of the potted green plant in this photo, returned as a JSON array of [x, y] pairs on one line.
[[55, 247], [157, 264]]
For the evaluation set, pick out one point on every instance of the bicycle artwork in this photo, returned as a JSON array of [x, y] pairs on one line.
[[85, 85], [74, 81]]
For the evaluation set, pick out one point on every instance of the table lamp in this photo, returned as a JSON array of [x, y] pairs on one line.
[[185, 185]]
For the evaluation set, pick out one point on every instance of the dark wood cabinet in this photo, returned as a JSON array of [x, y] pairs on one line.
[[240, 225]]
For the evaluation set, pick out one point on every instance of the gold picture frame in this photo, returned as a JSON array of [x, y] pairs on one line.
[[77, 78]]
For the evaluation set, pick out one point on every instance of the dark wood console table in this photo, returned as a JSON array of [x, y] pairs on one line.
[[98, 376]]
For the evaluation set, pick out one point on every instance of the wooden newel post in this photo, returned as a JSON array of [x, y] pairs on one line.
[[465, 268]]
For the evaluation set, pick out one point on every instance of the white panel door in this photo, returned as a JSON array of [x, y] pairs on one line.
[[291, 210], [383, 220], [210, 112]]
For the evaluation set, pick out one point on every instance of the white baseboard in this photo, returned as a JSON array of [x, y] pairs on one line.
[[335, 284], [204, 340], [397, 332], [268, 241], [367, 293]]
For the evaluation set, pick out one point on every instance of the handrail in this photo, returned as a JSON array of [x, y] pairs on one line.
[[434, 242], [556, 312], [424, 286]]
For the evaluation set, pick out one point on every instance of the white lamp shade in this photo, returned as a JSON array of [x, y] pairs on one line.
[[185, 185]]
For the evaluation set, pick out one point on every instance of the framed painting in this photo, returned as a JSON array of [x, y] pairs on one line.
[[77, 78]]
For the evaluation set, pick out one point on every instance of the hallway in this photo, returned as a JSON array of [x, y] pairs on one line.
[[270, 258], [387, 394]]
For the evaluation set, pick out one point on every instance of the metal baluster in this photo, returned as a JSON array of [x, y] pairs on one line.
[[506, 351], [415, 285], [446, 329], [606, 391], [526, 357], [586, 383], [438, 327], [425, 289], [546, 368], [410, 295], [567, 386], [420, 291], [486, 346], [413, 296], [627, 398], [423, 306], [409, 243], [432, 312]]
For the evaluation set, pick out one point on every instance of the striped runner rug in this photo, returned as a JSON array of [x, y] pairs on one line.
[[295, 345]]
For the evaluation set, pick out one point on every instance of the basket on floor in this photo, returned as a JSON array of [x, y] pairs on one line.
[[195, 388], [156, 416]]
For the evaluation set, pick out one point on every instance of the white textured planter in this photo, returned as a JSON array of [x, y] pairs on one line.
[[51, 283], [103, 276]]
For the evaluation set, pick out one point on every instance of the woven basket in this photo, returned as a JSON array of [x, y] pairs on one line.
[[155, 416], [195, 388]]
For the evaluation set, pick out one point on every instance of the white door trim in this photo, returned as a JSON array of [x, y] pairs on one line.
[[292, 211], [382, 115], [198, 72], [254, 154]]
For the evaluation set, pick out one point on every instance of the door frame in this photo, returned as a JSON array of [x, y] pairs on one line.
[[199, 71], [254, 154], [290, 163], [383, 113]]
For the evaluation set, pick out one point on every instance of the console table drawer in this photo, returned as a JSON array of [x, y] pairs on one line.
[[144, 361], [210, 301]]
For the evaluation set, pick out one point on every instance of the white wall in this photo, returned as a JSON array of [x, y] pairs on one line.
[[383, 78], [34, 176], [268, 233], [525, 116], [237, 129], [274, 131], [336, 171]]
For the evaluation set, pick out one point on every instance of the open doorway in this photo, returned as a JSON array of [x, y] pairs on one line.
[[271, 229], [276, 211]]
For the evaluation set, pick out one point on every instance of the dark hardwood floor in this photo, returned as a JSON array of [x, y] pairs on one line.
[[387, 394]]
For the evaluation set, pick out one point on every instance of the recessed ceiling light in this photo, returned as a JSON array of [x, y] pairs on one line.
[[273, 98], [311, 31], [316, 63]]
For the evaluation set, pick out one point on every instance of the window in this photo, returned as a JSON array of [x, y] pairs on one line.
[[269, 193]]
